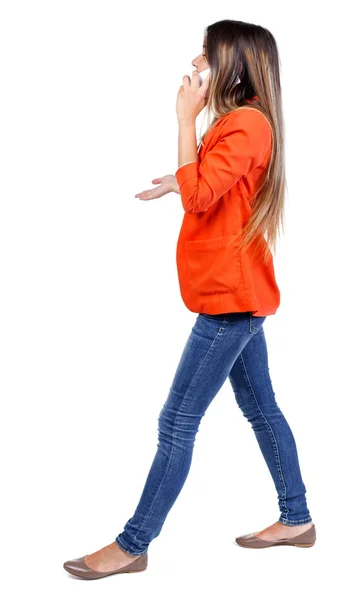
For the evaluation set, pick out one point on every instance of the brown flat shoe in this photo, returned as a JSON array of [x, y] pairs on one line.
[[303, 540], [78, 567]]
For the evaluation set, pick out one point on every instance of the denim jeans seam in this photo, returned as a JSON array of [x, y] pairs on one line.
[[273, 439], [222, 327], [148, 515], [197, 374], [125, 548], [286, 521]]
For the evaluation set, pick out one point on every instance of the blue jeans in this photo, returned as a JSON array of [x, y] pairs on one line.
[[229, 345]]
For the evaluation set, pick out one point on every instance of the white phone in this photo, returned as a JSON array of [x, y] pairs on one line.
[[204, 74]]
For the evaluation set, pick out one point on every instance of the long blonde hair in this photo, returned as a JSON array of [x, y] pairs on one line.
[[242, 51]]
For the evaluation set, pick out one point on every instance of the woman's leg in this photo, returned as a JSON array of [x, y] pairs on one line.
[[252, 386], [210, 352]]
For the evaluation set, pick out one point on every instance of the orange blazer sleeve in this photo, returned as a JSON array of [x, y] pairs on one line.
[[244, 140]]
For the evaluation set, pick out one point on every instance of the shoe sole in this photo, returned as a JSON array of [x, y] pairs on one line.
[[138, 571], [104, 574], [276, 544]]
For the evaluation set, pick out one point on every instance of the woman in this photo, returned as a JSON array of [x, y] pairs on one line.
[[232, 191]]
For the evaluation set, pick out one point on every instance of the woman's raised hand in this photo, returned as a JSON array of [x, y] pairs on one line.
[[167, 183]]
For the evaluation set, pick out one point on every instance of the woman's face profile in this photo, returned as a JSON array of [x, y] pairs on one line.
[[200, 63]]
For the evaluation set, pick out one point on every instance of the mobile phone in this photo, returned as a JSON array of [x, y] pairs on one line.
[[204, 74]]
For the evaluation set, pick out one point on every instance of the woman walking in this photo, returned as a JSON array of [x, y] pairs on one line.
[[232, 190]]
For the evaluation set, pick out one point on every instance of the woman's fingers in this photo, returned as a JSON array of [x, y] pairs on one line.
[[165, 187], [155, 193], [145, 194]]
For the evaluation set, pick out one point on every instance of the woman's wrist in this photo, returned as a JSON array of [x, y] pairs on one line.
[[187, 142], [175, 186]]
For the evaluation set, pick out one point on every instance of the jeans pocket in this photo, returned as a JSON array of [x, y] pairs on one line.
[[210, 325], [255, 323], [219, 318], [213, 266]]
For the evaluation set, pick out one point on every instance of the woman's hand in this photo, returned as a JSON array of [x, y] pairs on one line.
[[191, 97], [168, 183]]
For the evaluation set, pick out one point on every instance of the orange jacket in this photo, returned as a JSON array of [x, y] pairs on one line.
[[215, 192]]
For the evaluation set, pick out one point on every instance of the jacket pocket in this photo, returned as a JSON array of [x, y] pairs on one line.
[[213, 266]]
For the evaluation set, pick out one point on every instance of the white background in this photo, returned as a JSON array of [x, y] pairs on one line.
[[93, 325]]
